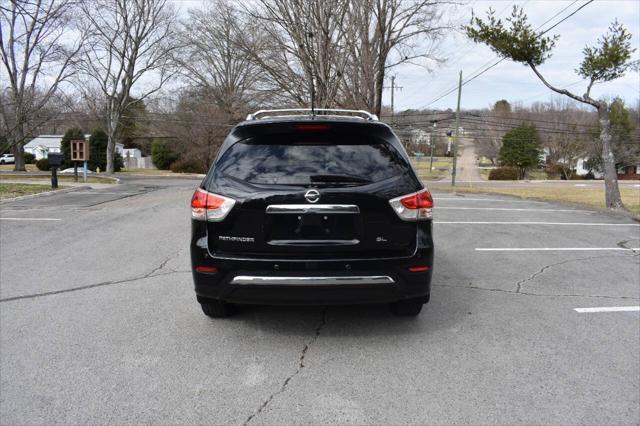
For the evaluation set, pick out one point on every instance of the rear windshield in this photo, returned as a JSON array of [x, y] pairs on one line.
[[305, 162]]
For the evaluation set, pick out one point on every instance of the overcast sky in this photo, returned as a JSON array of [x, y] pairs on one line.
[[516, 82], [508, 80]]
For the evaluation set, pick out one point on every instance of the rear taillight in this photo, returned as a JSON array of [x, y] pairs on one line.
[[210, 207], [416, 206], [207, 269]]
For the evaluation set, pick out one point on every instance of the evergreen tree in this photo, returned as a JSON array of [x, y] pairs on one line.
[[521, 148]]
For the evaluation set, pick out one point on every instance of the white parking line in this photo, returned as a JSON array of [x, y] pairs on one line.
[[608, 309], [28, 218], [537, 223], [557, 249], [513, 210]]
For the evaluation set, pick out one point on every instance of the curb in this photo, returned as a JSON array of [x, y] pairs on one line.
[[43, 194]]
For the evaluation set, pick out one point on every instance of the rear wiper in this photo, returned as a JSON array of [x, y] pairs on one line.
[[338, 178]]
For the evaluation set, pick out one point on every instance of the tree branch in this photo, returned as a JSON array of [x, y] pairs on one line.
[[581, 99]]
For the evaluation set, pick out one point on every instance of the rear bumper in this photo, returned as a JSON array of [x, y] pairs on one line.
[[312, 282]]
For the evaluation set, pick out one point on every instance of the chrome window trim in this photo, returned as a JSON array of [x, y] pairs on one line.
[[315, 208], [302, 281]]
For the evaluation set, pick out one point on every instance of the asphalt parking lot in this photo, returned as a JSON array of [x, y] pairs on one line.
[[99, 323]]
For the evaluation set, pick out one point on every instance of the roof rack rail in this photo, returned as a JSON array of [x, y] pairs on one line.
[[270, 113]]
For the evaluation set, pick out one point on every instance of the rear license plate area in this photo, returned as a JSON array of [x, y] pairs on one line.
[[311, 227]]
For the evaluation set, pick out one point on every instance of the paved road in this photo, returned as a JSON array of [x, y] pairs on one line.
[[99, 323], [467, 164]]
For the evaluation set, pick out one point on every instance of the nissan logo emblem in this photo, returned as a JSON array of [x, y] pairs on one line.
[[312, 196]]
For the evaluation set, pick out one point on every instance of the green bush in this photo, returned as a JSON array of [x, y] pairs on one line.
[[29, 158], [187, 166], [504, 173], [162, 155], [43, 165]]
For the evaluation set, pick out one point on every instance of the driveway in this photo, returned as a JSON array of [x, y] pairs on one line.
[[467, 163], [99, 323]]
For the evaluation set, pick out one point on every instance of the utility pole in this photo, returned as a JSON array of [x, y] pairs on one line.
[[455, 139], [432, 141], [393, 91]]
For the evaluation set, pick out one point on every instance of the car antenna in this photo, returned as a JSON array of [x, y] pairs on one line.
[[313, 97], [309, 35]]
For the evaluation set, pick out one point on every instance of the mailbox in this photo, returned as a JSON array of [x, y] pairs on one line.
[[79, 150], [55, 159]]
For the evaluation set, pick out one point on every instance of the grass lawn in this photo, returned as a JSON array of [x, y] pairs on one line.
[[12, 190], [433, 176], [150, 172], [61, 178], [440, 168], [9, 167], [590, 197]]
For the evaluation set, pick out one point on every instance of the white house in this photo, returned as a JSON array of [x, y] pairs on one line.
[[42, 145]]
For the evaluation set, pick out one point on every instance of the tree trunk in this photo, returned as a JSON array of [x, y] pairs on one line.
[[112, 127], [18, 149], [612, 192], [379, 86]]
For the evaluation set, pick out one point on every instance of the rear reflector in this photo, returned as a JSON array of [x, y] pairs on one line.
[[312, 127], [207, 269], [416, 206], [418, 268], [210, 207]]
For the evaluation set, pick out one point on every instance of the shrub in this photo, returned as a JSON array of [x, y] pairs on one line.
[[188, 166], [43, 165], [554, 171], [504, 173], [29, 158], [162, 155]]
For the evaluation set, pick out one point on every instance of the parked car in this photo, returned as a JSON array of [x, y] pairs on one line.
[[7, 159], [311, 209]]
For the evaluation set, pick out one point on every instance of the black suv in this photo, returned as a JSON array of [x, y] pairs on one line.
[[311, 209]]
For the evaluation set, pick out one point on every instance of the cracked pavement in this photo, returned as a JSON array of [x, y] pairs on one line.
[[99, 324]]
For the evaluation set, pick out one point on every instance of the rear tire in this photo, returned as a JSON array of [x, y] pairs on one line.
[[406, 308], [217, 309]]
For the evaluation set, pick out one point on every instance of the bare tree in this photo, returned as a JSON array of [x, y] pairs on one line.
[[211, 60], [36, 59], [128, 40], [384, 34], [303, 47]]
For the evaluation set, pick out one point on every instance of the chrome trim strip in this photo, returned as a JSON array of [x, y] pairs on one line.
[[315, 208], [306, 243], [302, 281]]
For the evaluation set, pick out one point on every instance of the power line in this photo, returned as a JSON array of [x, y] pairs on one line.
[[473, 77], [482, 116]]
